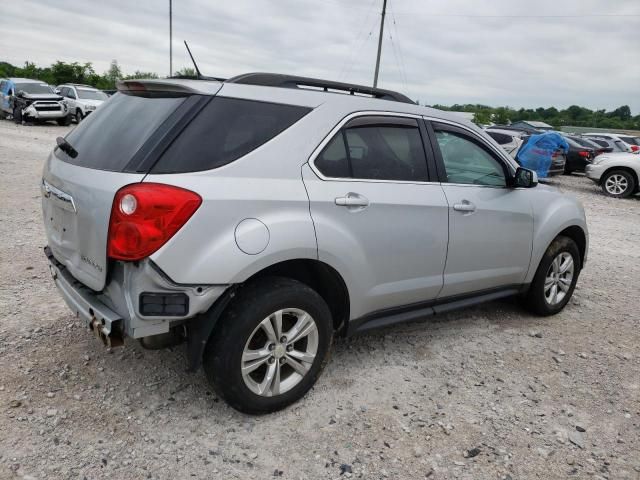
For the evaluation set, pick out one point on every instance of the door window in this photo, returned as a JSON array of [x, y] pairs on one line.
[[466, 162], [71, 94], [375, 152]]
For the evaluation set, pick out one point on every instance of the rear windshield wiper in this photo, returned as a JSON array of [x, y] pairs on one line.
[[66, 147]]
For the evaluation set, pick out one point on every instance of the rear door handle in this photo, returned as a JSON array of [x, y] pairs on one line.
[[465, 206], [352, 200]]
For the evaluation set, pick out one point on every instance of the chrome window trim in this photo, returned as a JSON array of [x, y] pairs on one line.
[[338, 127]]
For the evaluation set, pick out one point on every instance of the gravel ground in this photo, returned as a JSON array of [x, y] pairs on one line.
[[485, 393]]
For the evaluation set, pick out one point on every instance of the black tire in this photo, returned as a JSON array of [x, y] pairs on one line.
[[64, 122], [535, 299], [612, 175], [252, 304], [17, 115], [79, 116]]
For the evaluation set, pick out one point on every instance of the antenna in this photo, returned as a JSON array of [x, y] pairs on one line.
[[199, 75]]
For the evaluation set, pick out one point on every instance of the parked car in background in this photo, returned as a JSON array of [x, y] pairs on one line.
[[617, 173], [578, 156], [590, 143], [631, 144], [558, 159], [31, 100], [613, 146], [261, 216], [510, 140], [81, 99]]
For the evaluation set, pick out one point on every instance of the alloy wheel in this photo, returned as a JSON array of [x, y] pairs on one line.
[[616, 184], [280, 352], [559, 278]]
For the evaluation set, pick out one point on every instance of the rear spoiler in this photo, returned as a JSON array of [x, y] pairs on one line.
[[179, 86]]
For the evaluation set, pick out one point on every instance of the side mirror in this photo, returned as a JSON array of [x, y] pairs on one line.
[[56, 90], [525, 178], [21, 93]]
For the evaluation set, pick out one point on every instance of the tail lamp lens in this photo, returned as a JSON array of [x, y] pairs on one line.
[[145, 216], [583, 153], [635, 148]]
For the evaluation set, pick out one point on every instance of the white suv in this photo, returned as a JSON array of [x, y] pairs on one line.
[[81, 100]]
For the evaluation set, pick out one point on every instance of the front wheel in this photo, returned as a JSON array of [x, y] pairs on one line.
[[618, 184], [79, 116], [270, 346], [17, 115], [556, 277], [64, 122]]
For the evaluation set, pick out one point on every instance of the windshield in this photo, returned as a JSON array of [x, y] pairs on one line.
[[91, 94], [34, 87]]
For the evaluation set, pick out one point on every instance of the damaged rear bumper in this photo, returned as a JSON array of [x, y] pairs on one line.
[[115, 312]]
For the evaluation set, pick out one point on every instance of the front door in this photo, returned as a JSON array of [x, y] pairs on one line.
[[378, 219], [490, 223]]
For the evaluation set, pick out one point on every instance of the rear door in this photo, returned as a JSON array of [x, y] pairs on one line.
[[377, 216], [490, 223], [78, 189]]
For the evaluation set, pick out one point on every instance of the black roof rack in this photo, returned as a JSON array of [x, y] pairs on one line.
[[290, 81]]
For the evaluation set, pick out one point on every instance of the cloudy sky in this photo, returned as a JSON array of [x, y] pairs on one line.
[[520, 53]]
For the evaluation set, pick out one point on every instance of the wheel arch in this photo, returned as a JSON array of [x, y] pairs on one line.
[[319, 276], [578, 235]]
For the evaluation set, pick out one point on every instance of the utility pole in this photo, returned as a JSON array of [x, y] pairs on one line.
[[384, 12], [170, 38]]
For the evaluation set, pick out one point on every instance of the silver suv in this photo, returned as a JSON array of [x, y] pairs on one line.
[[258, 217]]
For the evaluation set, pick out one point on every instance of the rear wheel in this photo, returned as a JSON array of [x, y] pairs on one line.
[[556, 277], [270, 346], [618, 184]]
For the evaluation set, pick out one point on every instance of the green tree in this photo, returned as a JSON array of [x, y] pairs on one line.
[[186, 72]]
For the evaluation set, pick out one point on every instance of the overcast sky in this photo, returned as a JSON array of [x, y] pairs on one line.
[[520, 53]]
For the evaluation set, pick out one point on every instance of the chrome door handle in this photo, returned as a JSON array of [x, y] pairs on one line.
[[465, 206], [352, 200]]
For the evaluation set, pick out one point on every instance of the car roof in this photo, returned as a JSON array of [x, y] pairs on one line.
[[308, 97], [24, 80]]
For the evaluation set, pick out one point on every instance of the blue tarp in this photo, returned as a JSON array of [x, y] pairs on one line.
[[536, 154]]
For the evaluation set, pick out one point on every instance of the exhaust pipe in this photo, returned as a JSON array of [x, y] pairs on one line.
[[111, 339]]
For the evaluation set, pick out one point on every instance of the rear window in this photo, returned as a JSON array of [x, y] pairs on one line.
[[629, 140], [225, 130], [109, 138]]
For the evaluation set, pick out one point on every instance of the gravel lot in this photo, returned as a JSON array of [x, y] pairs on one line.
[[485, 393]]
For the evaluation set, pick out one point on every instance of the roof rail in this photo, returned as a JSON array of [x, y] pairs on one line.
[[290, 81]]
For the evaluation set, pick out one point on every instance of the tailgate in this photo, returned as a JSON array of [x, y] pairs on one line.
[[76, 206], [111, 148]]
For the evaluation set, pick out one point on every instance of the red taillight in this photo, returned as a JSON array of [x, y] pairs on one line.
[[584, 153], [144, 216], [635, 148]]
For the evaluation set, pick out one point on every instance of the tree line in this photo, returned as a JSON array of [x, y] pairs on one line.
[[64, 72], [575, 116]]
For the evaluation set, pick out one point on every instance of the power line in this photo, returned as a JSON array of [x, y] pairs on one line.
[[349, 60]]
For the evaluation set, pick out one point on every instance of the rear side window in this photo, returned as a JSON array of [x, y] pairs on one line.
[[375, 152], [501, 138], [109, 138], [225, 130]]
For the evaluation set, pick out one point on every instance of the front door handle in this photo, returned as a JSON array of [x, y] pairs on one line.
[[465, 206], [352, 200]]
